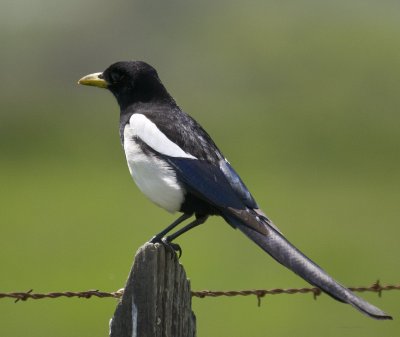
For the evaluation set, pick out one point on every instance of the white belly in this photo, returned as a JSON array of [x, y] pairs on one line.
[[154, 177]]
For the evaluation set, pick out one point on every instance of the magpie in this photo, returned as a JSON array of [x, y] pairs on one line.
[[177, 165]]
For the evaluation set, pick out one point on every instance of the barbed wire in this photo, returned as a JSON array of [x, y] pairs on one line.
[[259, 293]]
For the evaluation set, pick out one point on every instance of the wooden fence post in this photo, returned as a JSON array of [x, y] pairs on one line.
[[157, 298]]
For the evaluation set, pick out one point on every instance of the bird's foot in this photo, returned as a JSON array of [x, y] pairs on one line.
[[172, 246]]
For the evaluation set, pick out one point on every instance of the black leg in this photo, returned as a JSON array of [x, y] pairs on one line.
[[174, 246], [159, 236], [191, 225]]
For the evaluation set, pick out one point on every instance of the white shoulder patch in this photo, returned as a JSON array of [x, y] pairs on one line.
[[142, 127]]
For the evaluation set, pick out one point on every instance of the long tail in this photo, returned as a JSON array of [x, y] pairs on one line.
[[275, 244]]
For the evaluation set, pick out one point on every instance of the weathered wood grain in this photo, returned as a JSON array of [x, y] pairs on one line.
[[157, 298]]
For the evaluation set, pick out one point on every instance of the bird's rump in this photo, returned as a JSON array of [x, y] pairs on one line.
[[209, 183]]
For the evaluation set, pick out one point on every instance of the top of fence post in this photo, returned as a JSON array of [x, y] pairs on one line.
[[157, 297]]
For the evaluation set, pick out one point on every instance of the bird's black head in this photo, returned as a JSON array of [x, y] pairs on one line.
[[130, 82]]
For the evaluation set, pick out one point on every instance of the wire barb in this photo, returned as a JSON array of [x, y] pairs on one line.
[[376, 287]]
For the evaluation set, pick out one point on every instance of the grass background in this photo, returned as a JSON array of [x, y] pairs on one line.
[[303, 99]]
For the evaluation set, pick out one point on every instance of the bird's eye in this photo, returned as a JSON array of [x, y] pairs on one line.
[[116, 78]]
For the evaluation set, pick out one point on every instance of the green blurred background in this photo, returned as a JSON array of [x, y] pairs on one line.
[[301, 96]]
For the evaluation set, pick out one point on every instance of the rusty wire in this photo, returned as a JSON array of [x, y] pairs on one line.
[[259, 293]]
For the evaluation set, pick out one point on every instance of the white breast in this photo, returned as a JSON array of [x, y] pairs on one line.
[[154, 177]]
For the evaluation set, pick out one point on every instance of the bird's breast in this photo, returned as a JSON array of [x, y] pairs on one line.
[[154, 177]]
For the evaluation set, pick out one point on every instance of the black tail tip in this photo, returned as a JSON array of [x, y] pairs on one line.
[[385, 317]]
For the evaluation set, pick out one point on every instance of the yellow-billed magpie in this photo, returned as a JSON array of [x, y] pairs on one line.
[[177, 165]]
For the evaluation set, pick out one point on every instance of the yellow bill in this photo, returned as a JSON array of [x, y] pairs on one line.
[[95, 80]]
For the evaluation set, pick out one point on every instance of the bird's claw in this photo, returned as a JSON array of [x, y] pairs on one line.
[[172, 246]]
